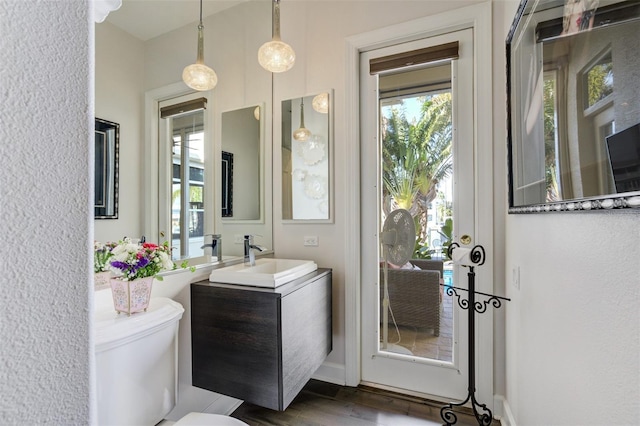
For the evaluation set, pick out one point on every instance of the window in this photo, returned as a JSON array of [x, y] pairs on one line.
[[598, 81], [551, 137]]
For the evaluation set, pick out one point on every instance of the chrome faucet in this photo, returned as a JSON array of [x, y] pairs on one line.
[[249, 250], [216, 246]]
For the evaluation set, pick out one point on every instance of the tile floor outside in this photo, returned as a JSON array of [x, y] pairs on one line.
[[421, 341]]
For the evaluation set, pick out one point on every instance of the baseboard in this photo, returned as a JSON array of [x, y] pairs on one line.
[[505, 415], [331, 373]]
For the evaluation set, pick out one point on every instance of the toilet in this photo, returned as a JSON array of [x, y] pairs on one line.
[[137, 367]]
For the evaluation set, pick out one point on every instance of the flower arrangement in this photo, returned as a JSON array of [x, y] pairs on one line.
[[131, 260], [102, 252]]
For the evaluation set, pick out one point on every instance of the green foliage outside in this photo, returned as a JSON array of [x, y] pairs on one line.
[[550, 126], [416, 156], [600, 81]]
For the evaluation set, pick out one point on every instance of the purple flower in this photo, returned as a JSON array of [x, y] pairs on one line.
[[119, 265], [141, 263]]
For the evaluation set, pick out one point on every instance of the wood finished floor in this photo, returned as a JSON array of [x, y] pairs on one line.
[[325, 404]]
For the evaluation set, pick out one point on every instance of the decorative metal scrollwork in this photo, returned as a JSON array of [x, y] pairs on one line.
[[477, 255], [450, 249], [484, 418], [478, 306], [463, 303]]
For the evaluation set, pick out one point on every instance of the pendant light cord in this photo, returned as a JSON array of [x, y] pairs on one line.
[[275, 23]]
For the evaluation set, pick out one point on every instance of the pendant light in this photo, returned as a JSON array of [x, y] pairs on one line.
[[102, 8], [302, 134], [321, 103], [198, 76], [276, 55]]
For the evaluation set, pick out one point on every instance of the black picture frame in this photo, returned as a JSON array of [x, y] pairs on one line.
[[227, 184], [106, 172]]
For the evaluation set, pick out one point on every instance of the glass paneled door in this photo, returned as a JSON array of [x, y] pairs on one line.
[[417, 165], [182, 174]]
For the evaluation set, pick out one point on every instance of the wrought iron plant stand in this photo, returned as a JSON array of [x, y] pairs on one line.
[[477, 257]]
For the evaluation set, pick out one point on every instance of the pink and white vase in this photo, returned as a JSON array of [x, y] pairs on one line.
[[101, 279], [131, 296]]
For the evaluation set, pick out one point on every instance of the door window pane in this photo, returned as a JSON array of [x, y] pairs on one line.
[[187, 184], [417, 174]]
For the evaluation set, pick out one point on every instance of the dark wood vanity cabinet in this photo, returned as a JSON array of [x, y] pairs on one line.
[[260, 345]]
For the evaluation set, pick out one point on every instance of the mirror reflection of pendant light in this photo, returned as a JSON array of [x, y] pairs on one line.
[[276, 55], [321, 103], [302, 134], [102, 8], [198, 76]]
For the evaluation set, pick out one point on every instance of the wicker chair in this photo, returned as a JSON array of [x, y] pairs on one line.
[[415, 295]]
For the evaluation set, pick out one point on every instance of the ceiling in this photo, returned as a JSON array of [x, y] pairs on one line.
[[146, 19]]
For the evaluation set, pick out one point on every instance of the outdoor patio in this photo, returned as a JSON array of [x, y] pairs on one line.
[[421, 341]]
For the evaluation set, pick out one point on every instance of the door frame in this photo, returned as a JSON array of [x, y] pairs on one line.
[[478, 18]]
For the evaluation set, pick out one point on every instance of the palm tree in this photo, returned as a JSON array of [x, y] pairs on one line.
[[416, 156]]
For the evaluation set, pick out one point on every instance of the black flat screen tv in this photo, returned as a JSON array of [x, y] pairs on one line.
[[624, 155]]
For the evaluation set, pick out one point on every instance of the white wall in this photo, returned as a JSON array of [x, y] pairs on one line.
[[45, 179], [573, 327], [232, 40], [119, 94], [317, 31]]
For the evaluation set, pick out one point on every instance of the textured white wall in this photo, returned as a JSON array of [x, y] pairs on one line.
[[45, 116], [573, 328]]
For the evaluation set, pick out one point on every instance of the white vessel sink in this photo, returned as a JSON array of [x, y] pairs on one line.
[[266, 272]]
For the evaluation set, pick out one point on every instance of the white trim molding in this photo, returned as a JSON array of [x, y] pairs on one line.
[[331, 372], [503, 411]]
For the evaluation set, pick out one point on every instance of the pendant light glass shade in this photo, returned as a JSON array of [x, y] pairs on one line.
[[276, 55], [302, 134], [321, 103], [198, 76]]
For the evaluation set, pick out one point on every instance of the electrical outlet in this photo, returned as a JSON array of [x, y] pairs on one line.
[[238, 239], [515, 280], [311, 241]]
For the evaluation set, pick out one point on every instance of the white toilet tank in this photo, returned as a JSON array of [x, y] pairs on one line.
[[136, 363]]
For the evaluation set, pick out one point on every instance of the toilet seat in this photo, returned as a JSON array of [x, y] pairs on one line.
[[206, 419]]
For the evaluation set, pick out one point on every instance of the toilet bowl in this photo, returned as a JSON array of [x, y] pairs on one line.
[[137, 367]]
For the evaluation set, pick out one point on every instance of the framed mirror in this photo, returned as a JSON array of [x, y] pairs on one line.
[[242, 165], [227, 184], [573, 98], [107, 144], [306, 158]]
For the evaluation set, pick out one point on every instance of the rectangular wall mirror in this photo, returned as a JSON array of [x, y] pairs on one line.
[[242, 172], [306, 158], [573, 104], [107, 144]]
